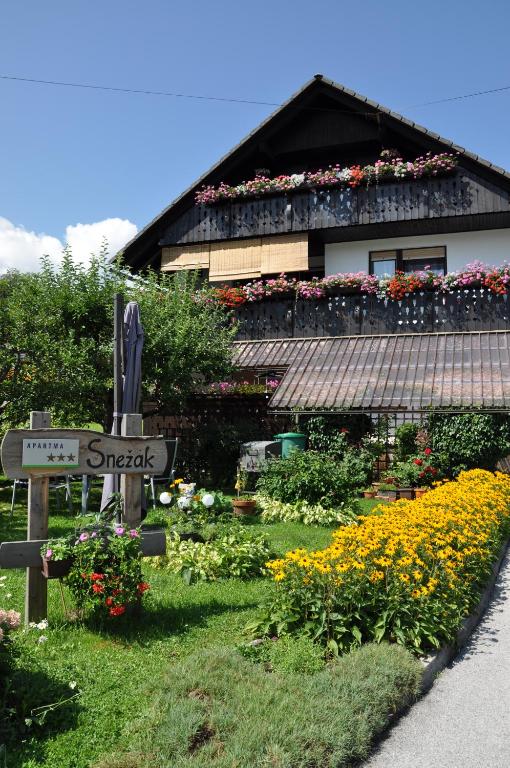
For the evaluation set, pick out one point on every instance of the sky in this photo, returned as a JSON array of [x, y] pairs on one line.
[[79, 165]]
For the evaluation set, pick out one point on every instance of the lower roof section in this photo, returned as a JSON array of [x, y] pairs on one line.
[[402, 372]]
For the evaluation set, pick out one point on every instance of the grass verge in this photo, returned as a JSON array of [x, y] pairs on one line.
[[216, 709]]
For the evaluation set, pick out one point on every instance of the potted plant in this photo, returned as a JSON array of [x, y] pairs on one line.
[[369, 493], [57, 558], [243, 505], [388, 491]]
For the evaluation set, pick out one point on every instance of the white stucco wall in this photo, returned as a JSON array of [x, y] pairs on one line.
[[492, 246]]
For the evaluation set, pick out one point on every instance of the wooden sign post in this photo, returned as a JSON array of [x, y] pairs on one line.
[[36, 592], [39, 453]]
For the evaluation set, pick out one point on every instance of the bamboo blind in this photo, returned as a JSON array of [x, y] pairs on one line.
[[284, 254], [435, 252], [185, 257], [236, 260]]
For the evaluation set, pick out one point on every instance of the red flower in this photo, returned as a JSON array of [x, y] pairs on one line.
[[116, 592], [142, 587], [96, 576], [418, 462], [427, 451], [422, 474], [109, 601], [118, 610], [98, 588]]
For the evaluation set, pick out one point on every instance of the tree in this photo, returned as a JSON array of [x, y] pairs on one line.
[[56, 340]]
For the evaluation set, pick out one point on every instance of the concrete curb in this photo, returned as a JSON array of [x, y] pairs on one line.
[[436, 662]]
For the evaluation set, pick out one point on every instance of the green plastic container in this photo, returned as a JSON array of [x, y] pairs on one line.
[[291, 441]]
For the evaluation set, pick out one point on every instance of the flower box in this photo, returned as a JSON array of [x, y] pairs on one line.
[[406, 493], [56, 569], [244, 506]]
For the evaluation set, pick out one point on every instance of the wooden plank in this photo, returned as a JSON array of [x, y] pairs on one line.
[[27, 554], [99, 453], [36, 592], [131, 485]]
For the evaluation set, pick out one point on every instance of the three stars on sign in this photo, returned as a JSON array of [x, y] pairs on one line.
[[60, 458]]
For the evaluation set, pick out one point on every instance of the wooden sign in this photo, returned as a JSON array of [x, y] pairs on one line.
[[52, 452], [27, 554]]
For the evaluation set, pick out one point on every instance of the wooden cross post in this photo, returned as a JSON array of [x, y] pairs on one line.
[[36, 593], [131, 485]]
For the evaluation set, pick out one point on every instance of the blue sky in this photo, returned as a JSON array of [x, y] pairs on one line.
[[73, 156]]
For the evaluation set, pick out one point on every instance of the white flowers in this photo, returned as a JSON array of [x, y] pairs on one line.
[[42, 639], [208, 499], [39, 625], [165, 497]]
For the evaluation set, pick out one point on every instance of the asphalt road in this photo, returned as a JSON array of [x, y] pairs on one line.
[[464, 720]]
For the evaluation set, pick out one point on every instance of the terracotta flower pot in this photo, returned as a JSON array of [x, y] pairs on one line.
[[419, 492], [56, 569], [244, 506], [369, 494]]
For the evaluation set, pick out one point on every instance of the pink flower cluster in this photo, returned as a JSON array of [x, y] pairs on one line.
[[391, 169], [8, 620], [477, 274]]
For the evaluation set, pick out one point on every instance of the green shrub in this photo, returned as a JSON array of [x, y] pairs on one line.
[[274, 511], [231, 551], [468, 440], [217, 710], [405, 441], [317, 478]]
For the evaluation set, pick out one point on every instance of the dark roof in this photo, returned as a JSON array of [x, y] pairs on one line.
[[149, 236], [402, 372]]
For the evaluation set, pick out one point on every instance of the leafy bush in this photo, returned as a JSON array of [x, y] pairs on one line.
[[317, 478], [405, 441], [274, 511], [229, 552], [469, 440], [408, 575], [216, 709]]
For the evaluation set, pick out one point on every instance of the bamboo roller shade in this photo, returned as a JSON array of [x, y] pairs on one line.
[[436, 252], [185, 257], [240, 259]]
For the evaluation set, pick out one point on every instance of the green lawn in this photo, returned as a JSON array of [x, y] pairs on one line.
[[116, 669]]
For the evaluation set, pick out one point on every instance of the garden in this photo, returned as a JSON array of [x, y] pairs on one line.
[[276, 620], [288, 635]]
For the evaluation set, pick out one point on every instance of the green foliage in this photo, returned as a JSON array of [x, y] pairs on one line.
[[309, 514], [317, 478], [405, 441], [230, 551], [56, 340], [216, 710], [407, 473], [286, 654], [468, 440]]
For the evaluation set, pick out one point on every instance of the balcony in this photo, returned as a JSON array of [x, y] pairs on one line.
[[343, 314], [461, 194]]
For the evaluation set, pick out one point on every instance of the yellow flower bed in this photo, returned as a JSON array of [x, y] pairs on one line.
[[408, 573]]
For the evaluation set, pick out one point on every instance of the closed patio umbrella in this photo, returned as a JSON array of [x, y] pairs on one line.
[[131, 382]]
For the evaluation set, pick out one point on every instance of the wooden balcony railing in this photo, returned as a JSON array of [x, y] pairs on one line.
[[461, 194], [473, 309]]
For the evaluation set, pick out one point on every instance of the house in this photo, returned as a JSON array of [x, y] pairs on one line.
[[335, 184]]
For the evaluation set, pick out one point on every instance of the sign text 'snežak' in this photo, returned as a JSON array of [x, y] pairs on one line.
[[123, 461]]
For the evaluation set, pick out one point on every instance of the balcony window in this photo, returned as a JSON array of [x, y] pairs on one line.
[[383, 263]]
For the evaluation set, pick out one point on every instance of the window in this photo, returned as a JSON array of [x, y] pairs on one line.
[[408, 260]]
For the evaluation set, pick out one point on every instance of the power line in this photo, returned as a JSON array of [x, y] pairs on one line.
[[201, 97]]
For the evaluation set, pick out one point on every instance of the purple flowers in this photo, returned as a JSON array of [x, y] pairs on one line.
[[84, 536], [48, 554], [119, 530], [134, 533]]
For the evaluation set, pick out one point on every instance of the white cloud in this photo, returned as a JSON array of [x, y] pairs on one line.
[[21, 249], [86, 239]]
